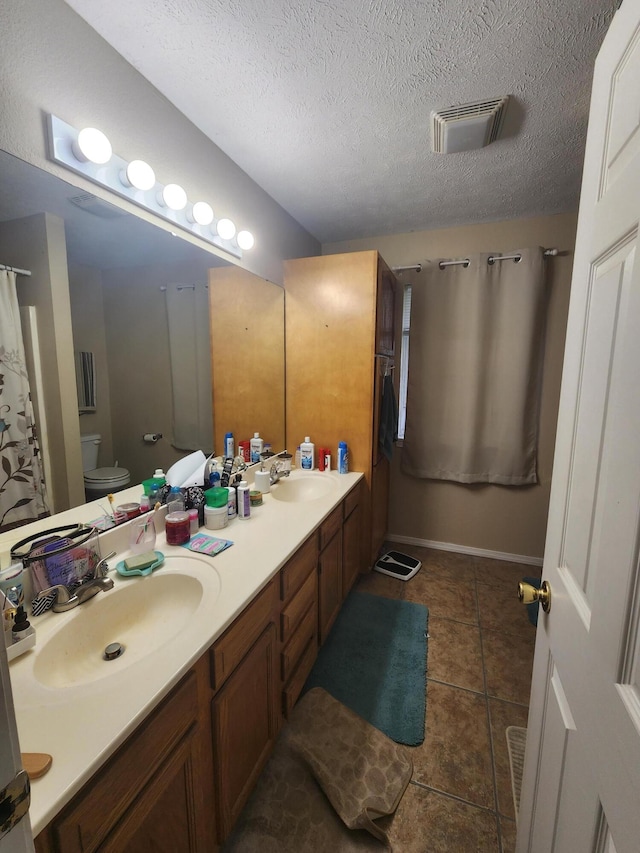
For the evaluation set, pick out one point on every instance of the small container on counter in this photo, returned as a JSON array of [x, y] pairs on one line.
[[131, 510], [324, 459], [194, 522], [177, 528], [244, 500], [286, 459], [307, 452], [255, 497], [229, 446], [343, 458], [216, 511], [175, 500], [256, 446], [231, 503], [216, 517]]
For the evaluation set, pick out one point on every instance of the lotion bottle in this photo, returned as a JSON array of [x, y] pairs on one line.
[[256, 446], [229, 448], [307, 452]]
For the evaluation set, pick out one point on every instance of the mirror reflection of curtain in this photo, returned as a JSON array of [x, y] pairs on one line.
[[22, 489], [477, 342], [190, 353], [86, 381]]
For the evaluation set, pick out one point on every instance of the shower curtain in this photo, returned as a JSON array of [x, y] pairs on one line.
[[190, 354], [475, 358], [22, 490]]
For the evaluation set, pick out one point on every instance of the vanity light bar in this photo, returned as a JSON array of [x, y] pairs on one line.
[[64, 149]]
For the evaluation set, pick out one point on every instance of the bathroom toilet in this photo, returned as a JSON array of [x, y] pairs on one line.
[[99, 482]]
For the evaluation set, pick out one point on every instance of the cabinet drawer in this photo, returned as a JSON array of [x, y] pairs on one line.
[[294, 611], [229, 650], [115, 787], [330, 527], [351, 501], [303, 634], [294, 688], [299, 566]]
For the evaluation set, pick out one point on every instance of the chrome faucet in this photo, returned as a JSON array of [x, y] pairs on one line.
[[66, 600], [277, 472]]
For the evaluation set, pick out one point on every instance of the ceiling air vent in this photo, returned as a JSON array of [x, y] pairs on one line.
[[468, 126], [95, 205]]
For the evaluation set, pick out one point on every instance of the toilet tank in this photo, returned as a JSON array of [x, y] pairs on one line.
[[90, 448]]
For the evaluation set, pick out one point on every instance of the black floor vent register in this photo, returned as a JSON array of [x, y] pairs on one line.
[[397, 565]]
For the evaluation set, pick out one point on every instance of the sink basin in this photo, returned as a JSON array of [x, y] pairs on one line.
[[142, 615], [302, 487]]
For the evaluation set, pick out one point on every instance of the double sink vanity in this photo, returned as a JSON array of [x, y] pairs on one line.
[[161, 747]]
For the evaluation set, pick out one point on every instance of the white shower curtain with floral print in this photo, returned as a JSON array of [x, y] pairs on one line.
[[22, 489]]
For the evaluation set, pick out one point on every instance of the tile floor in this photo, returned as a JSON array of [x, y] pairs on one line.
[[480, 658]]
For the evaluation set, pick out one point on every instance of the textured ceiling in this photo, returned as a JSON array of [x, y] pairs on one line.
[[326, 103]]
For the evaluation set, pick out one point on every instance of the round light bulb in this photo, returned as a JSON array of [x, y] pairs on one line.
[[140, 175], [201, 213], [226, 229], [245, 240], [92, 146], [173, 197]]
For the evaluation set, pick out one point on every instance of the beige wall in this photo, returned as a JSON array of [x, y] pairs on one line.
[[487, 517], [53, 62], [37, 243], [87, 317]]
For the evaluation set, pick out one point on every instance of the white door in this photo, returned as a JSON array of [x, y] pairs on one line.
[[18, 839], [581, 787]]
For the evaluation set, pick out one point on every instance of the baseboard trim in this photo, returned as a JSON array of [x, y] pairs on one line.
[[465, 549]]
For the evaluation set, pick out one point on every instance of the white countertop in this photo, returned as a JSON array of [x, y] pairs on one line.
[[82, 725]]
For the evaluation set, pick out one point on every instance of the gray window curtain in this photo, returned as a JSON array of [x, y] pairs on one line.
[[190, 354], [477, 341]]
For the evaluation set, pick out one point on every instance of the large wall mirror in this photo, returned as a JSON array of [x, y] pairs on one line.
[[124, 274]]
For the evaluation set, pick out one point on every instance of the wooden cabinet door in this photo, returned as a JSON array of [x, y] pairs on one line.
[[351, 536], [245, 726], [329, 585], [164, 818], [385, 310], [156, 790]]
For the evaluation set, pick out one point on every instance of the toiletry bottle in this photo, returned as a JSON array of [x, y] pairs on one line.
[[229, 446], [159, 474], [256, 446], [307, 450], [175, 501], [297, 457], [231, 502], [244, 499], [20, 626], [343, 458]]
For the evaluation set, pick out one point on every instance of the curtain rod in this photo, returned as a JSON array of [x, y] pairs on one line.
[[14, 269], [548, 253]]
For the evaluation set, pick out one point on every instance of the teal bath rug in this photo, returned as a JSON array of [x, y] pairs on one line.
[[374, 661]]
